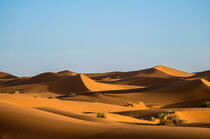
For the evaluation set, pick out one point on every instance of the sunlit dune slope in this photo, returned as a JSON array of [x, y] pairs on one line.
[[95, 86], [173, 72], [22, 123], [73, 106]]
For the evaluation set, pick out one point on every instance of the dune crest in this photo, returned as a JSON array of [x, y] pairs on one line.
[[4, 75], [66, 73], [173, 72], [206, 82], [96, 86]]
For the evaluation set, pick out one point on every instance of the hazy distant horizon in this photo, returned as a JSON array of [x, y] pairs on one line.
[[103, 36]]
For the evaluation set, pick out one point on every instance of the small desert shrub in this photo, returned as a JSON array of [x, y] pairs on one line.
[[205, 104], [133, 104], [51, 97], [170, 118], [97, 93], [17, 92], [72, 94], [106, 78], [140, 103], [130, 104], [152, 118], [101, 115]]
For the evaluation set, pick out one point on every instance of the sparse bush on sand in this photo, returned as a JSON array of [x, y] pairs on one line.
[[153, 119], [72, 94], [130, 104], [101, 115], [133, 104], [106, 78], [206, 104], [51, 97], [170, 118], [17, 92]]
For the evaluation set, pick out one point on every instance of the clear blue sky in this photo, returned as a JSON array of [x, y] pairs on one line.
[[103, 35]]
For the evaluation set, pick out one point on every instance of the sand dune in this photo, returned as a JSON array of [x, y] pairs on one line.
[[48, 77], [158, 71], [67, 73], [28, 100], [186, 93], [183, 94], [4, 75], [66, 104], [151, 72], [192, 116], [22, 122], [206, 82], [50, 82], [204, 75], [173, 72], [95, 86], [147, 81], [195, 115], [81, 83]]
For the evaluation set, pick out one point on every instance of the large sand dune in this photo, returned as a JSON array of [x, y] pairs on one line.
[[158, 71], [146, 81], [173, 72], [66, 104], [181, 94], [51, 82]]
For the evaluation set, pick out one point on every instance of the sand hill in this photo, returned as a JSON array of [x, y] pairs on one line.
[[158, 71], [55, 83], [95, 86], [69, 105], [204, 75], [4, 75], [147, 81], [66, 73], [173, 72], [183, 94]]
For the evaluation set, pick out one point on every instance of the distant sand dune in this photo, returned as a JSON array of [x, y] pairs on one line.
[[147, 81], [173, 72], [158, 71], [51, 82], [204, 75], [4, 75]]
